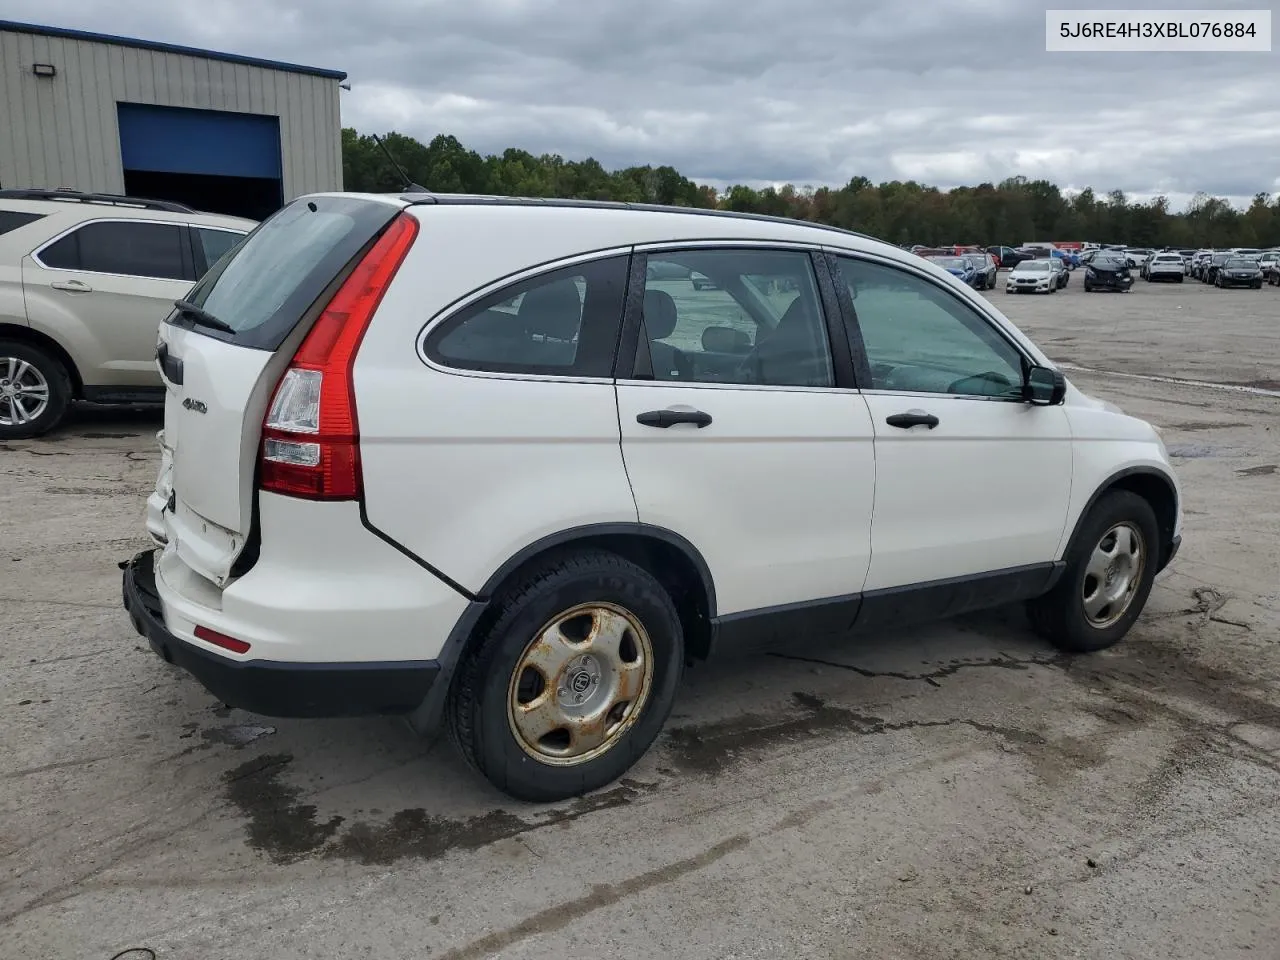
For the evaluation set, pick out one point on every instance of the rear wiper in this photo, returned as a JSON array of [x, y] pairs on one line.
[[202, 316]]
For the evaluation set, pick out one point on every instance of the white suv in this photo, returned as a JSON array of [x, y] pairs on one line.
[[85, 281], [503, 462], [1166, 266]]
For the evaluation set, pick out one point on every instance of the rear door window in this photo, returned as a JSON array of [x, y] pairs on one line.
[[270, 281], [123, 247], [743, 316]]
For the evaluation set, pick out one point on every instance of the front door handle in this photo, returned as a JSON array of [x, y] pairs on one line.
[[72, 286], [669, 418], [912, 418]]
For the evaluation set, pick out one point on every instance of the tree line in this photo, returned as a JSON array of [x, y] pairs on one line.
[[1014, 211]]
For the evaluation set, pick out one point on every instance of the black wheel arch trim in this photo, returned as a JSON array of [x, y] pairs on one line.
[[428, 719], [1166, 549], [591, 530]]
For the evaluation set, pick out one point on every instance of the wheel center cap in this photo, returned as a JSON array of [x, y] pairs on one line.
[[580, 682]]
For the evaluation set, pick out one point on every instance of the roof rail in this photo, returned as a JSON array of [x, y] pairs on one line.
[[77, 196], [466, 199]]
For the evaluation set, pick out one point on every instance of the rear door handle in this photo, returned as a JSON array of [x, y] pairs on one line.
[[912, 418], [72, 286], [669, 418]]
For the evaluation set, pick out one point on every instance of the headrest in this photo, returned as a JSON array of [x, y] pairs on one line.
[[553, 310], [659, 314]]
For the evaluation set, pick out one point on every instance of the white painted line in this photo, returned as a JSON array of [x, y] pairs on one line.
[[1208, 384]]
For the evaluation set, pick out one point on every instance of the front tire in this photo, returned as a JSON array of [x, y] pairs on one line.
[[1110, 567], [35, 391], [571, 678]]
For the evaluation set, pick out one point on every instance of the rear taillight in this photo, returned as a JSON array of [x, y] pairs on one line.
[[310, 438]]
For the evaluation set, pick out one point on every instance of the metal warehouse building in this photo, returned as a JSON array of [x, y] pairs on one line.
[[219, 132]]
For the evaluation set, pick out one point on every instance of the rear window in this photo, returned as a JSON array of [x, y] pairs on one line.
[[270, 282], [13, 219]]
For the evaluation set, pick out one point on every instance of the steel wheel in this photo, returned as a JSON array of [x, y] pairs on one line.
[[580, 684], [24, 392], [1113, 574]]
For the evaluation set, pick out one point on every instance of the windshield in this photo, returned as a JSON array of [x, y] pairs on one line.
[[950, 263], [1036, 266], [1240, 263]]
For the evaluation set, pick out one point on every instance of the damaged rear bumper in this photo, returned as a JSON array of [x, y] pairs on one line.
[[274, 688]]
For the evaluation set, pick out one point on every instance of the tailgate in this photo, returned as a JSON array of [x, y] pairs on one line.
[[223, 351]]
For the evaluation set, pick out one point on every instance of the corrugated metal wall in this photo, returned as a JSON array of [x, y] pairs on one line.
[[62, 132]]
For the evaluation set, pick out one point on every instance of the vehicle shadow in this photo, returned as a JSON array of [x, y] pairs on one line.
[[372, 791]]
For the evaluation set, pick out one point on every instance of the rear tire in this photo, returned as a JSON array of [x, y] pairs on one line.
[[522, 660], [1075, 615], [35, 390]]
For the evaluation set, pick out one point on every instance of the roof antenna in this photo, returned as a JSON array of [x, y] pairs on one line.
[[409, 185]]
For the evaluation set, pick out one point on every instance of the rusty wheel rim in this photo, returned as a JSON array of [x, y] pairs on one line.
[[580, 684]]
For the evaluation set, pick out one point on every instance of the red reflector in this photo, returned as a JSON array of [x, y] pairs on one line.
[[221, 640]]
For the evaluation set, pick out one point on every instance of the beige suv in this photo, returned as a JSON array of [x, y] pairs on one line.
[[85, 281]]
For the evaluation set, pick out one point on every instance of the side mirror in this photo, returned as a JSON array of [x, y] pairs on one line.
[[1044, 387], [725, 340]]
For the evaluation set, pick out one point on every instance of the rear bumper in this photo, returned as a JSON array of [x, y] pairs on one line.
[[274, 688]]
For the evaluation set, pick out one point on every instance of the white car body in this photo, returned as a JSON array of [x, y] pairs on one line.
[[464, 474], [1166, 266], [1032, 276]]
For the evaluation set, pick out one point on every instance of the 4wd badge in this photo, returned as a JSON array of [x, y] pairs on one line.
[[195, 406]]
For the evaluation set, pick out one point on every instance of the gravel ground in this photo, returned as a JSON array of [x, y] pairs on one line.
[[954, 791]]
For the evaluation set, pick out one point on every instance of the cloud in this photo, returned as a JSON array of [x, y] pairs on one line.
[[803, 91]]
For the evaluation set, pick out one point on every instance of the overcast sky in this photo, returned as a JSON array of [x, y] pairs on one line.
[[802, 91]]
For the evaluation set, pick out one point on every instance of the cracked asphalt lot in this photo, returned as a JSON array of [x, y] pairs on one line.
[[959, 790]]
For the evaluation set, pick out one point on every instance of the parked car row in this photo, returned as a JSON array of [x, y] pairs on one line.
[[1245, 267]]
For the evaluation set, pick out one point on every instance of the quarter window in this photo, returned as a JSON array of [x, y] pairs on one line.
[[13, 219], [133, 249], [919, 338], [214, 244], [742, 316], [563, 323]]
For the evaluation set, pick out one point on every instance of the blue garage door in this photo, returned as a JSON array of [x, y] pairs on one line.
[[209, 142]]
